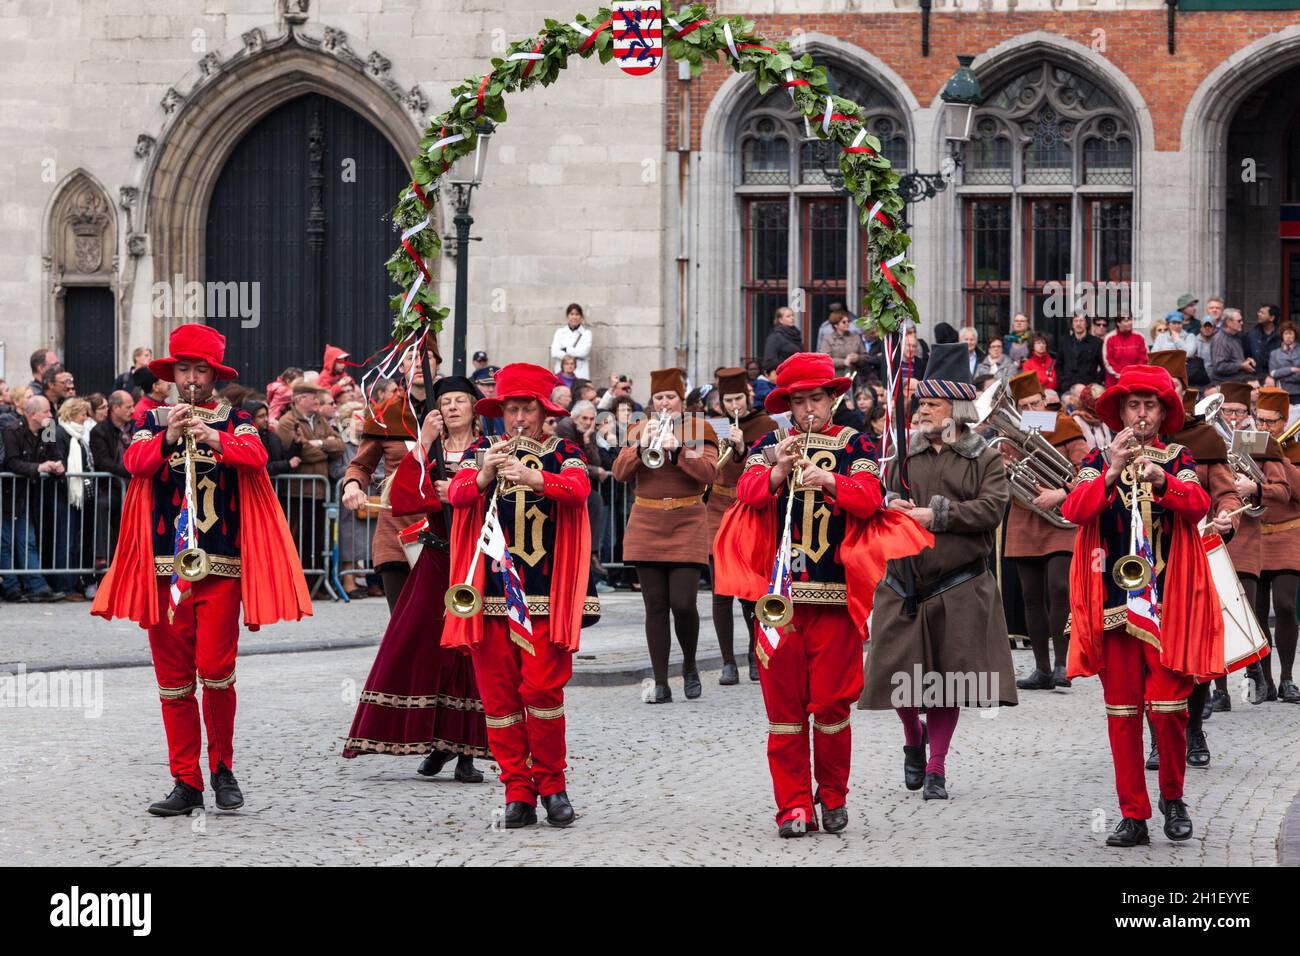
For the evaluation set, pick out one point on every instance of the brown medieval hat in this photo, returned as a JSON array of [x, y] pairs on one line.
[[1173, 361], [1025, 385], [1189, 400], [733, 381], [1238, 393], [668, 380], [1276, 400]]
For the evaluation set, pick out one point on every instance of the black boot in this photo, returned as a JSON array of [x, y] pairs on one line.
[[935, 787], [753, 666], [1178, 822], [1037, 680], [833, 821], [730, 675], [1258, 686], [466, 772], [1207, 708], [662, 695], [1153, 758], [793, 827], [559, 811], [182, 801], [1288, 693], [432, 764], [1059, 678], [1130, 832], [1198, 752], [1221, 701], [520, 814], [691, 684], [228, 794], [914, 761]]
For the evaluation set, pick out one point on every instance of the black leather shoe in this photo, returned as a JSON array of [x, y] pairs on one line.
[[520, 814], [792, 827], [1272, 688], [914, 761], [1207, 708], [433, 763], [1178, 822], [663, 695], [1288, 693], [691, 684], [466, 772], [1036, 680], [935, 788], [1130, 832], [730, 675], [559, 811], [182, 801], [1221, 701], [753, 667], [1059, 678], [833, 821], [1153, 758], [226, 789], [1258, 686], [1198, 753]]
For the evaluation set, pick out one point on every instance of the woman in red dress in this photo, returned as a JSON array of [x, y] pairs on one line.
[[421, 698]]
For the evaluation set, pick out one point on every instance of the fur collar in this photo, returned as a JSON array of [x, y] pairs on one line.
[[971, 444]]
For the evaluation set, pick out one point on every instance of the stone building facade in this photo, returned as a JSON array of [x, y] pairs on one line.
[[149, 145]]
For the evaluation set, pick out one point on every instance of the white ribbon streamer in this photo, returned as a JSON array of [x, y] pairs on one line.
[[896, 260], [862, 134], [731, 43], [526, 55], [406, 303], [874, 209], [447, 140], [580, 28], [826, 116], [674, 24]]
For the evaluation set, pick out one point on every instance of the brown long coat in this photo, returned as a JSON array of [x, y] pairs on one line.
[[956, 645]]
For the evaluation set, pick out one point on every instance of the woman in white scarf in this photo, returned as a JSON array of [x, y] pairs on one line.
[[74, 418]]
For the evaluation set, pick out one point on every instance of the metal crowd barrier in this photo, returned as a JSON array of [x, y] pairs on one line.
[[306, 500], [351, 539], [44, 536]]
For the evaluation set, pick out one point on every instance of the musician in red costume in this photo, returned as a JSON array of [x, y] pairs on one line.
[[194, 626], [1149, 647], [542, 511], [843, 539]]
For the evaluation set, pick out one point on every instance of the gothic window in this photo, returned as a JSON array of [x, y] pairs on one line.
[[801, 243], [1047, 196]]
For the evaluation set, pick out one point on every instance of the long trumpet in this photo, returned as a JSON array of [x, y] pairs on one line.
[[731, 448], [775, 609], [653, 456], [463, 599], [1132, 572], [1039, 464], [192, 563]]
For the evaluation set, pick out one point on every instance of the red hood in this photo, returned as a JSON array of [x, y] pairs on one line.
[[332, 354]]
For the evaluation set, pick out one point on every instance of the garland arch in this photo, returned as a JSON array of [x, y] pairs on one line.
[[691, 35]]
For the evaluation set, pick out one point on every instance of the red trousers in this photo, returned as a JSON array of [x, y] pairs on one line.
[[204, 637], [523, 697], [1131, 676], [816, 670]]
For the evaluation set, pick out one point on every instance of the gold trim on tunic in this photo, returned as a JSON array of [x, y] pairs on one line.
[[774, 728], [509, 720], [546, 713], [831, 728]]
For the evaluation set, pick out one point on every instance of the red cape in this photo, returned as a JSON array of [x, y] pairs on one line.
[[744, 551], [1191, 626], [272, 584], [570, 565]]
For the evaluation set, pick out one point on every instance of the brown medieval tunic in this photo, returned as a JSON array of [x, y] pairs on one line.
[[752, 427], [955, 651], [388, 440], [1280, 526], [669, 523]]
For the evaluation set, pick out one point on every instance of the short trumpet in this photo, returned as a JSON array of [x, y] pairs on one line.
[[464, 599], [653, 456]]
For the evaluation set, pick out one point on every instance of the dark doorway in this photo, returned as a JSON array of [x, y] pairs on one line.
[[301, 208], [89, 336]]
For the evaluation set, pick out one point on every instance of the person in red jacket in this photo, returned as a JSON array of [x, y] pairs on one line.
[[1122, 348], [537, 589], [228, 505], [1149, 643], [334, 370], [1040, 361]]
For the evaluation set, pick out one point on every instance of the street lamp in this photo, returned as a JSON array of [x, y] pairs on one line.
[[466, 173], [960, 95]]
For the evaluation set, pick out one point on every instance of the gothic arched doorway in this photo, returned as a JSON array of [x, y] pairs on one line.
[[297, 219]]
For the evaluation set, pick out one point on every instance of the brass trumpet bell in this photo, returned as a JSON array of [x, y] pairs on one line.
[[193, 564], [463, 600], [774, 610], [1132, 572], [653, 458]]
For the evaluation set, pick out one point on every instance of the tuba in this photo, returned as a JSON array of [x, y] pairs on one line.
[[1039, 463], [463, 599], [1210, 408], [775, 609], [192, 563]]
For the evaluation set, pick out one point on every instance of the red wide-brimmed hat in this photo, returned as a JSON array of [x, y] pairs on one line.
[[521, 380], [803, 372], [1142, 380], [196, 343]]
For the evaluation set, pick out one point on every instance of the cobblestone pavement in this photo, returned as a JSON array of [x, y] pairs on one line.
[[681, 784]]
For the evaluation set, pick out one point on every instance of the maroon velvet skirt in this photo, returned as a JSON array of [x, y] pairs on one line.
[[420, 696]]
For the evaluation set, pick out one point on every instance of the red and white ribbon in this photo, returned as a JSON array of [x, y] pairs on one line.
[[448, 140]]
